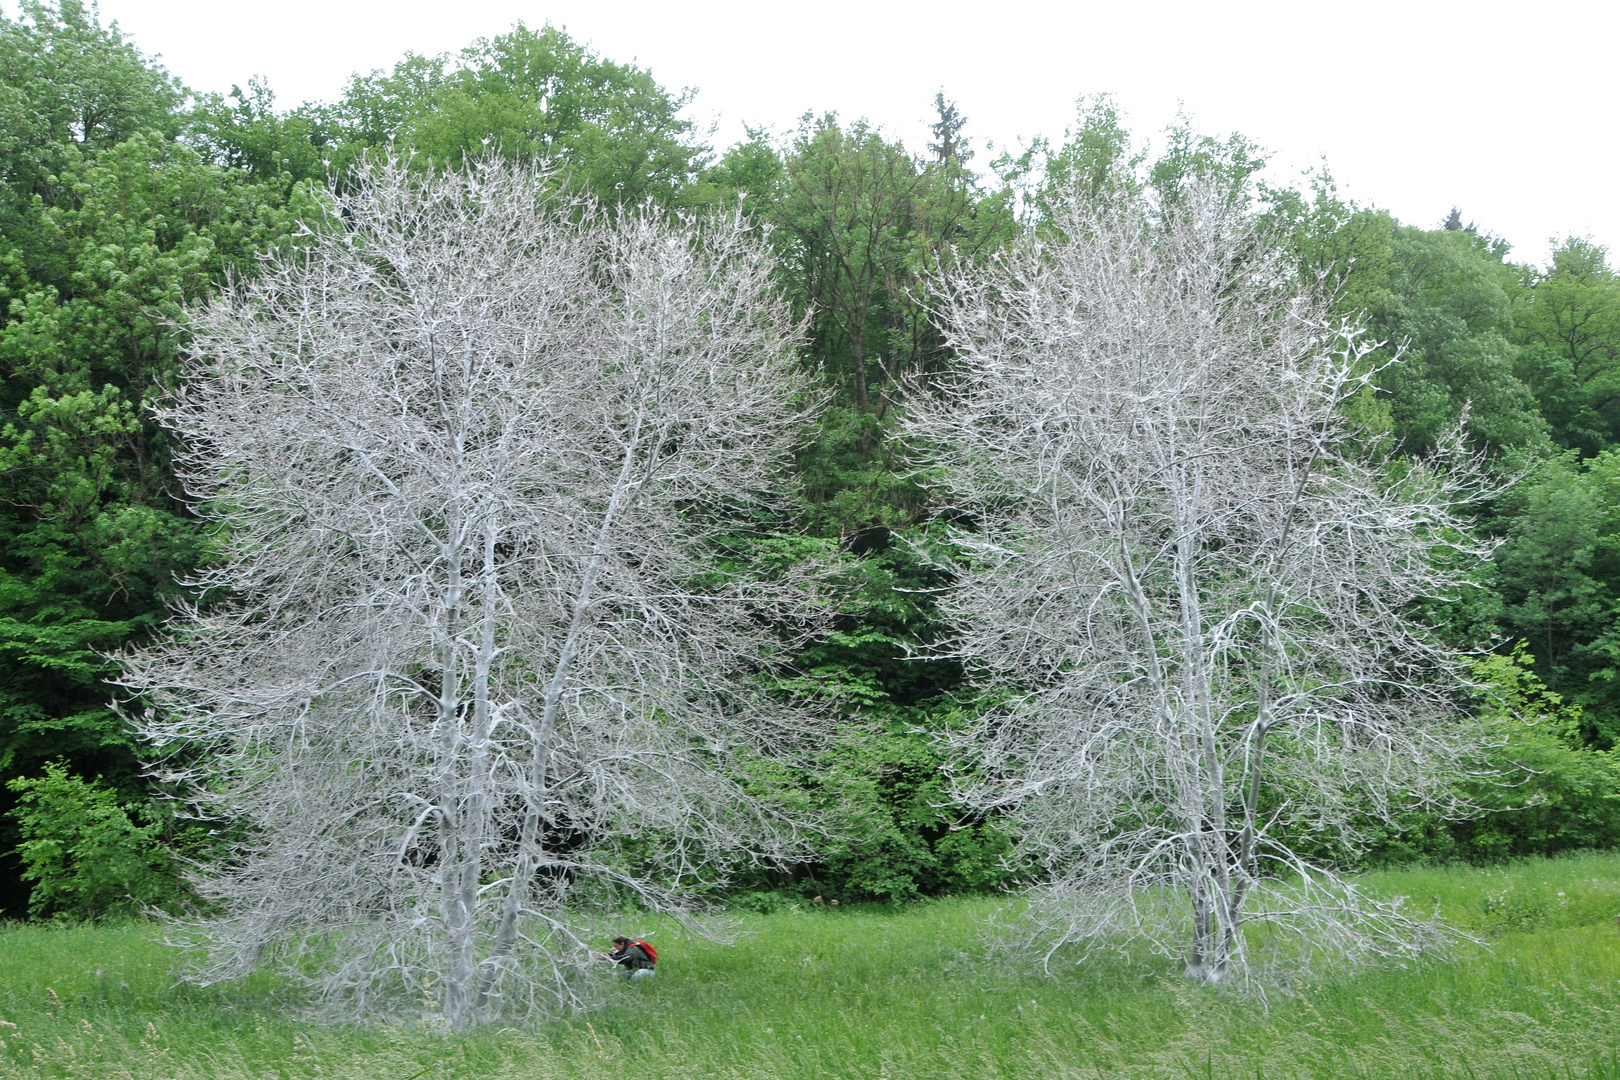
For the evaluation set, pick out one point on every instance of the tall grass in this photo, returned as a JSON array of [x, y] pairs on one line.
[[905, 992]]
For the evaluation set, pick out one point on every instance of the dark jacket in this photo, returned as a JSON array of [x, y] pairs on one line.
[[631, 958]]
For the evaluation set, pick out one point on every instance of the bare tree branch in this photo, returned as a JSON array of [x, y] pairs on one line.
[[1199, 588], [480, 673]]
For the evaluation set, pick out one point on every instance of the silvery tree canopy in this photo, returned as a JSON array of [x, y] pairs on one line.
[[472, 664], [1194, 585]]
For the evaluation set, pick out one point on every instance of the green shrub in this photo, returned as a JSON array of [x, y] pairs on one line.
[[895, 834], [1552, 792], [1561, 794], [83, 853]]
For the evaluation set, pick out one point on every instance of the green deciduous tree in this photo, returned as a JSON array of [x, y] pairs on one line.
[[1558, 574], [862, 227], [1571, 334], [108, 225], [1445, 298], [68, 88], [611, 128]]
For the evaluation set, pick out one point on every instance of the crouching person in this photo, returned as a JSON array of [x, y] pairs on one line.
[[636, 959]]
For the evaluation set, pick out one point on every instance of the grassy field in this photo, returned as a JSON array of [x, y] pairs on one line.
[[902, 993]]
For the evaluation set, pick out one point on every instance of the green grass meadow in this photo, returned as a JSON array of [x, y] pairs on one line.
[[899, 993]]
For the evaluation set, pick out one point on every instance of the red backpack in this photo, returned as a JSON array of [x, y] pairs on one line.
[[652, 953]]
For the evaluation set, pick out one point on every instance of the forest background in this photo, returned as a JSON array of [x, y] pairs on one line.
[[125, 197]]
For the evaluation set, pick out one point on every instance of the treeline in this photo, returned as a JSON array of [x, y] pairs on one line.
[[124, 197]]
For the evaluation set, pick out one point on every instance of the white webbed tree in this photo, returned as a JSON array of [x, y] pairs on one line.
[[1196, 589], [478, 671]]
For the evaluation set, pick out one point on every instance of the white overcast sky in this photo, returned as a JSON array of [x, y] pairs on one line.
[[1506, 110]]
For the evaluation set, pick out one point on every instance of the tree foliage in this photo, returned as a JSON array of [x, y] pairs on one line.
[[609, 128], [862, 228], [124, 199], [1571, 331], [109, 225]]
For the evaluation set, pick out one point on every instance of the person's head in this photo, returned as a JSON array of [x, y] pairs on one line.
[[621, 943]]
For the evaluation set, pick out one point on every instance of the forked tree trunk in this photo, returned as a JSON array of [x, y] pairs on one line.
[[464, 421], [1195, 585]]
